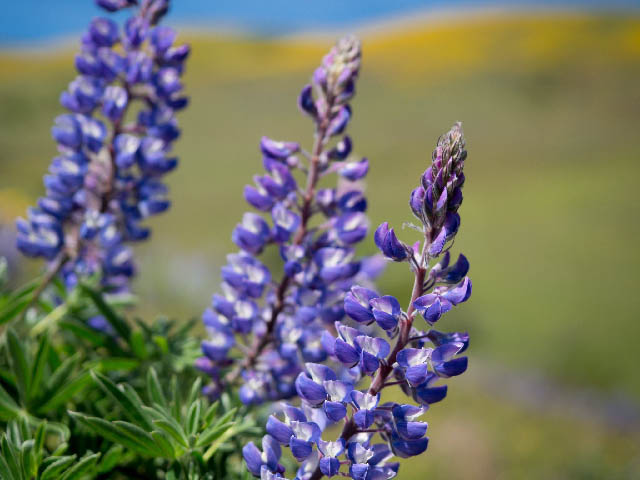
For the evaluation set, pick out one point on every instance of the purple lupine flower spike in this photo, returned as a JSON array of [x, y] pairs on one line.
[[372, 432], [315, 231], [107, 178]]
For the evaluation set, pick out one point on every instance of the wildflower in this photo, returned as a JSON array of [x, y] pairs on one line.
[[107, 178], [417, 360]]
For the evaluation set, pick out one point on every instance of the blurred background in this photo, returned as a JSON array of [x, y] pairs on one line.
[[550, 99]]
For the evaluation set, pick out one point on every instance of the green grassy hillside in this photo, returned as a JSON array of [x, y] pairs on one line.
[[551, 109]]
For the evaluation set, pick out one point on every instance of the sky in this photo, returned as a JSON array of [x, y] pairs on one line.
[[34, 22]]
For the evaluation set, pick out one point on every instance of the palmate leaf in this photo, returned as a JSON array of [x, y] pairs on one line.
[[173, 429], [185, 432], [24, 457]]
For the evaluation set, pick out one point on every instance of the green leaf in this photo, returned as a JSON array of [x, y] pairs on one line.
[[111, 432], [219, 441], [28, 458], [174, 430], [154, 389], [8, 407], [40, 435], [60, 449], [162, 441], [82, 468], [54, 470], [16, 304], [12, 310], [211, 413], [212, 433], [187, 327], [128, 403], [117, 322], [10, 454], [193, 417], [50, 319], [80, 330], [42, 355], [5, 471], [60, 430], [61, 374], [110, 459], [226, 417], [19, 364], [175, 398], [194, 393], [138, 345], [114, 364], [137, 434], [162, 344], [66, 392]]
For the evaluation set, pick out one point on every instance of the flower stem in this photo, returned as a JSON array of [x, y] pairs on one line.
[[379, 381], [306, 212]]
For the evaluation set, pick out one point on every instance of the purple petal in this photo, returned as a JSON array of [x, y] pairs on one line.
[[457, 366], [411, 430], [457, 271], [300, 449], [309, 390], [320, 373], [306, 103], [356, 304], [279, 430], [346, 353], [408, 448], [459, 293], [253, 458], [355, 170], [445, 352], [363, 419], [429, 395], [416, 375], [335, 411], [438, 243], [329, 466]]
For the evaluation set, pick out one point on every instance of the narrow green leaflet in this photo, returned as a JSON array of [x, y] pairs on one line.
[[154, 389], [85, 466], [130, 405], [39, 366], [55, 469], [19, 364], [111, 432], [66, 391], [119, 325]]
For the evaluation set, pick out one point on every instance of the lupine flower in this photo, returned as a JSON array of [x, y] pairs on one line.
[[265, 328], [417, 361], [107, 178]]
